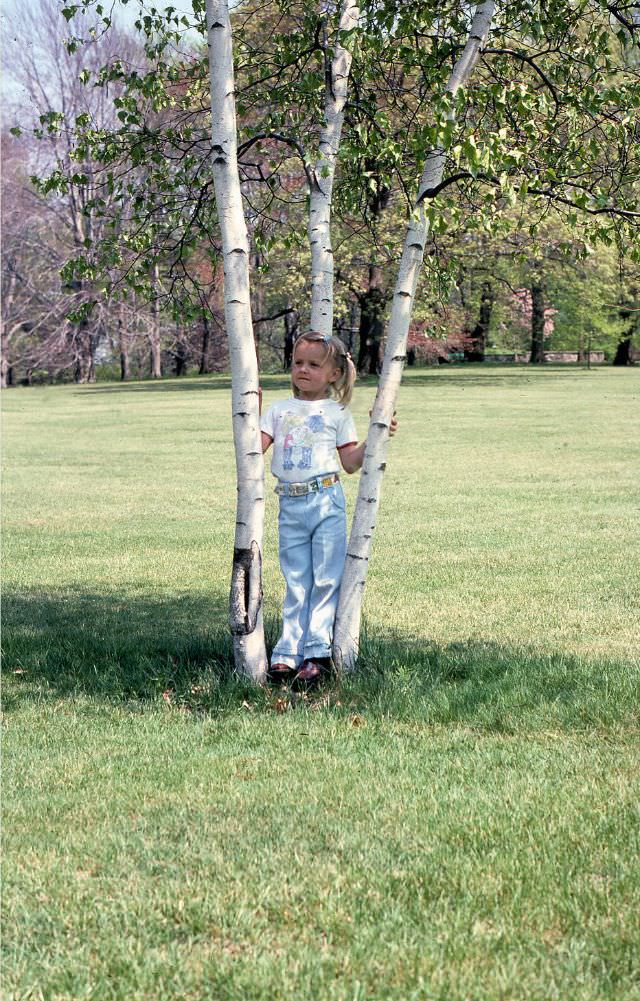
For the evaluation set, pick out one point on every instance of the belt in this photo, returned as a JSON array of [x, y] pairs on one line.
[[308, 487]]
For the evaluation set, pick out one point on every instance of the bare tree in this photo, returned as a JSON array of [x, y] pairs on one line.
[[34, 325], [52, 73]]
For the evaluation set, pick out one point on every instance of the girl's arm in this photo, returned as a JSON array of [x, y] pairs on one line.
[[352, 456], [266, 438]]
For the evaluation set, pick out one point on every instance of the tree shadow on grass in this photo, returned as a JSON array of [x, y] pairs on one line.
[[110, 645], [145, 648], [493, 686], [436, 376], [159, 386], [211, 384], [468, 376]]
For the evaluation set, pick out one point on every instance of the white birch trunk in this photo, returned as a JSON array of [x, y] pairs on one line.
[[154, 332], [347, 627], [322, 175], [245, 611]]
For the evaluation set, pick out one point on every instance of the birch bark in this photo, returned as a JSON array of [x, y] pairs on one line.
[[154, 331], [245, 606], [347, 627], [322, 175]]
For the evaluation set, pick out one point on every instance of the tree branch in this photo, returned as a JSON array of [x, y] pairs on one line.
[[629, 25], [276, 316], [546, 192], [446, 181], [278, 137], [526, 59]]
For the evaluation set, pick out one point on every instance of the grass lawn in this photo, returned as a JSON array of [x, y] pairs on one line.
[[460, 820]]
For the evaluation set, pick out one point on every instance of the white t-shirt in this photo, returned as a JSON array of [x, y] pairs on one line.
[[306, 434]]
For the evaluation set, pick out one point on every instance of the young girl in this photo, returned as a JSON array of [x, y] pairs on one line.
[[309, 431]]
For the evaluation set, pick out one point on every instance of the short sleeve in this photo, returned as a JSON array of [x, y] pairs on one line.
[[346, 433], [267, 422]]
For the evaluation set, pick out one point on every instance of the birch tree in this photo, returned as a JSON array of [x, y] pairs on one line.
[[565, 169], [321, 178], [245, 614], [246, 585], [348, 618]]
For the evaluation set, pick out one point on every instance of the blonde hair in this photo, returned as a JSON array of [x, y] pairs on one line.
[[342, 389]]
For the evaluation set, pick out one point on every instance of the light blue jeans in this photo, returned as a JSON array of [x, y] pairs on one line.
[[313, 546]]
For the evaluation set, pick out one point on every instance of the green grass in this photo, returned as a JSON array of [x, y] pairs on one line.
[[459, 820]]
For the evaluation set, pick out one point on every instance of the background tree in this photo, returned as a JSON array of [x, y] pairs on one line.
[[53, 73]]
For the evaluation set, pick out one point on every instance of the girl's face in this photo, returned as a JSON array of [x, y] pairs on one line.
[[312, 372]]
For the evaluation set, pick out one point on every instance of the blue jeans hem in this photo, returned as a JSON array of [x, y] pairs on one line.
[[284, 658], [312, 653]]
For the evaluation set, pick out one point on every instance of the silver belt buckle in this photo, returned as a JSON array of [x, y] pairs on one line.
[[311, 486]]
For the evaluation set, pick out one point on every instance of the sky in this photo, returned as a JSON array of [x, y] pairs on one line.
[[11, 12]]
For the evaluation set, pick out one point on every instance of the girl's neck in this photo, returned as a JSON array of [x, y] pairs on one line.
[[314, 398]]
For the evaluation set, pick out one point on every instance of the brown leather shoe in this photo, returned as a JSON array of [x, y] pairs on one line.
[[280, 674], [310, 674]]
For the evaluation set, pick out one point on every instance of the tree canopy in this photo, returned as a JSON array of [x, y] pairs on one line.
[[545, 130]]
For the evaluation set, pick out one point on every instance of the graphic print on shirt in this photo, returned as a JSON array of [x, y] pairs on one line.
[[298, 439]]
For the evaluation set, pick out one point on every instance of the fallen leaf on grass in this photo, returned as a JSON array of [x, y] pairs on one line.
[[168, 696], [281, 705], [357, 721]]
